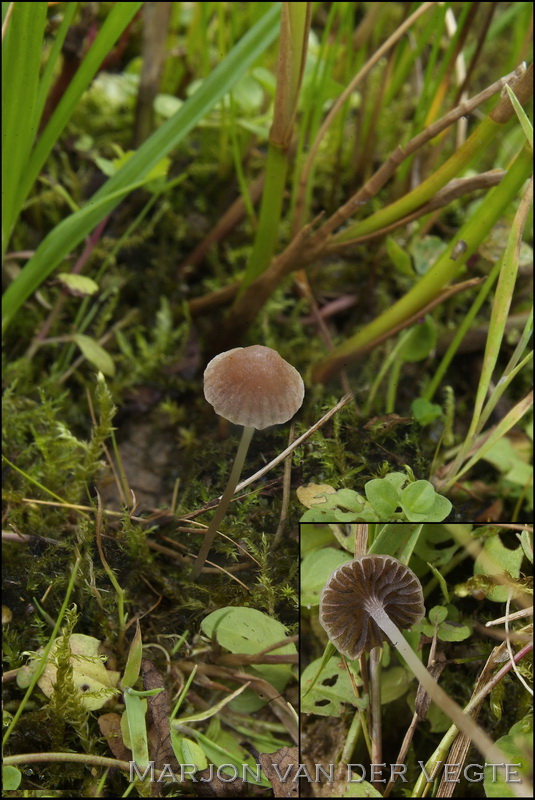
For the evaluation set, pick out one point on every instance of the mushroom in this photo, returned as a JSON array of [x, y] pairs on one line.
[[254, 387], [361, 606]]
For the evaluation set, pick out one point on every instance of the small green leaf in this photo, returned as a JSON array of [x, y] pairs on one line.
[[448, 632], [394, 684], [421, 503], [78, 284], [314, 537], [523, 118], [11, 778], [135, 710], [401, 259], [332, 689], [517, 748], [421, 340], [418, 497], [383, 497], [133, 663], [344, 498], [425, 412], [441, 580], [440, 509], [496, 559], [95, 354], [425, 252], [187, 751], [438, 614]]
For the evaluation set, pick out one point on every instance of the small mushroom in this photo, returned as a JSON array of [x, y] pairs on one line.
[[361, 606], [254, 387]]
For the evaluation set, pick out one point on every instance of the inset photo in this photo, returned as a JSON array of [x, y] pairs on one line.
[[416, 660]]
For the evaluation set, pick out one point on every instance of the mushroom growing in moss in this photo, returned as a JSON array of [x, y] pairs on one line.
[[254, 387]]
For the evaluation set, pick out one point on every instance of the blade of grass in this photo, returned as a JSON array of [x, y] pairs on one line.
[[118, 18], [71, 231], [21, 60], [295, 26], [48, 73], [500, 309], [504, 426]]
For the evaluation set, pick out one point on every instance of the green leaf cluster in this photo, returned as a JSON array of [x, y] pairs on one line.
[[390, 498]]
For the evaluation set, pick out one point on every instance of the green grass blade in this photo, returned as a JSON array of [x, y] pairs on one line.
[[49, 70], [511, 419], [115, 23], [21, 61], [71, 231]]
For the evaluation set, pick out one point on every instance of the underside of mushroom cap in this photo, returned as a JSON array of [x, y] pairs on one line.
[[253, 386], [355, 591]]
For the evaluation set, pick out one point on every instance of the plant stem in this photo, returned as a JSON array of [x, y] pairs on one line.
[[461, 720], [209, 536], [375, 702]]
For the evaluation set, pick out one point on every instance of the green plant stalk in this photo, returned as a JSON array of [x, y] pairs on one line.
[[351, 739], [472, 233], [237, 468], [479, 140], [46, 652], [270, 214], [461, 333], [376, 732], [385, 366], [295, 25], [71, 231]]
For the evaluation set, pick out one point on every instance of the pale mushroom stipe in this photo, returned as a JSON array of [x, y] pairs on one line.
[[361, 606], [254, 387]]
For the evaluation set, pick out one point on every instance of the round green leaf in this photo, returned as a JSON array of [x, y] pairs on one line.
[[417, 498], [383, 497], [425, 412], [420, 341], [11, 778], [246, 630]]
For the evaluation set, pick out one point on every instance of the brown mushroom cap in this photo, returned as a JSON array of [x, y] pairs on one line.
[[253, 386], [357, 590]]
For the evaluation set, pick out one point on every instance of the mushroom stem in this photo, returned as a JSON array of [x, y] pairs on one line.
[[461, 720], [226, 497]]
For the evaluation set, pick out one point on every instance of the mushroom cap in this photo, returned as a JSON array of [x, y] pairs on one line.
[[253, 386], [353, 593]]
